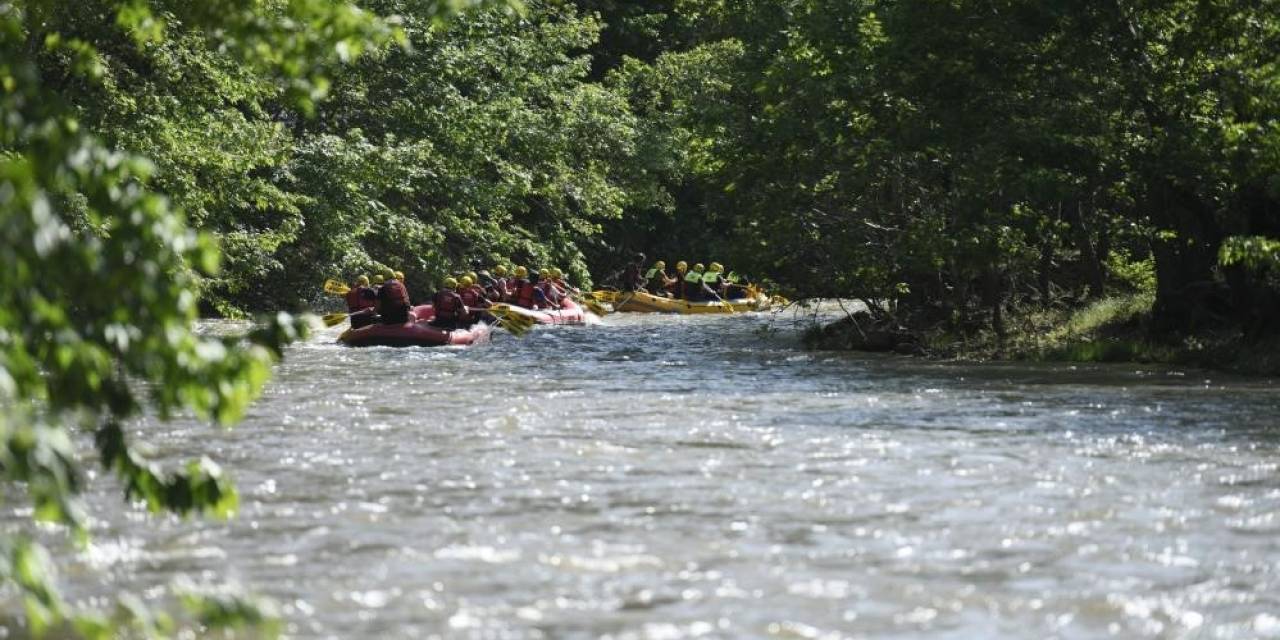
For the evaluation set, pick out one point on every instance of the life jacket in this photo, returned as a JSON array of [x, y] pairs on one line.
[[655, 279], [522, 293], [473, 296], [448, 305], [711, 278], [392, 300], [550, 292], [693, 286], [360, 298]]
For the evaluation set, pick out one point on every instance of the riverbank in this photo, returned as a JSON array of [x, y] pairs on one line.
[[1112, 329]]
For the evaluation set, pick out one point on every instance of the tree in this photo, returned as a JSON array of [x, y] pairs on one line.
[[98, 291]]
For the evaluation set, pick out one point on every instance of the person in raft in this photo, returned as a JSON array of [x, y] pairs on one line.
[[656, 279], [393, 302], [361, 296], [713, 282], [676, 288], [525, 291], [502, 282], [693, 283], [632, 278], [545, 294], [450, 312]]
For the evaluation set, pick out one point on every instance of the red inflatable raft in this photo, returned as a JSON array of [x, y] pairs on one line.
[[568, 313], [414, 334]]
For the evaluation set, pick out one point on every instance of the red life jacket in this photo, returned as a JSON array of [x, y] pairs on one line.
[[522, 293], [447, 304], [392, 296], [473, 296], [360, 298]]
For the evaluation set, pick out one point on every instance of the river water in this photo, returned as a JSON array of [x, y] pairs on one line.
[[672, 477]]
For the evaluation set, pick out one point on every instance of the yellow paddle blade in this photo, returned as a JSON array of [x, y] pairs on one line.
[[336, 288], [595, 307], [335, 319], [605, 296], [516, 324]]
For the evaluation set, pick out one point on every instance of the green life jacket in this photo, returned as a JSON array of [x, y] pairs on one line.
[[693, 277], [711, 278], [733, 277], [650, 274]]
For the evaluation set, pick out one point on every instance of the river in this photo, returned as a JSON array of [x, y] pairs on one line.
[[672, 477]]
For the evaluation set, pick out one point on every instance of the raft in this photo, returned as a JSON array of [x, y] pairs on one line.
[[643, 302], [568, 313], [414, 334]]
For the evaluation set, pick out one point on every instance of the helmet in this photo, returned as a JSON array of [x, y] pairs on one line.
[[363, 281], [556, 273], [500, 270], [699, 268], [382, 277], [400, 276], [716, 266], [521, 272], [659, 265], [450, 283], [466, 281], [682, 266], [473, 276]]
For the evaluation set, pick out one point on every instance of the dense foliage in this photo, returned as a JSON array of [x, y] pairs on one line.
[[960, 157], [98, 290], [945, 161]]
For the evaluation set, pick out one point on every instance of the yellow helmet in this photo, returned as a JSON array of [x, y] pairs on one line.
[[466, 281], [659, 265], [473, 276], [382, 277], [716, 266], [450, 283], [682, 266], [363, 281], [521, 272], [699, 268], [399, 275], [500, 270], [557, 273]]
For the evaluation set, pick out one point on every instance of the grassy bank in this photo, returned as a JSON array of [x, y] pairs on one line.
[[1112, 329]]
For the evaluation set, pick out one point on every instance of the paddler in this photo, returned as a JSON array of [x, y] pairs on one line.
[[656, 279], [450, 311], [736, 286], [361, 296], [713, 281], [632, 278], [393, 302], [523, 292], [676, 288], [472, 294], [693, 283], [502, 282], [557, 278], [551, 296]]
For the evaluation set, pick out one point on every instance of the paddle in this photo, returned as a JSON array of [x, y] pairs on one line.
[[335, 319], [517, 324], [591, 305], [336, 288]]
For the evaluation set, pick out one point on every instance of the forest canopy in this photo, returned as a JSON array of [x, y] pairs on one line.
[[945, 162]]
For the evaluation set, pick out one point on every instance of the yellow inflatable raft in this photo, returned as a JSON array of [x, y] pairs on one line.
[[642, 302]]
